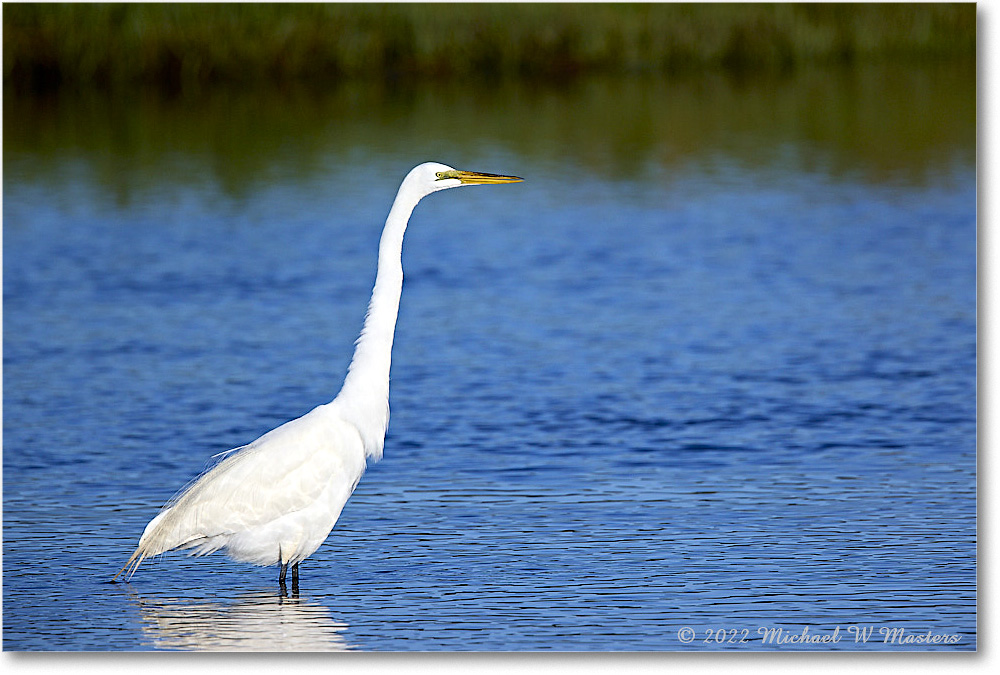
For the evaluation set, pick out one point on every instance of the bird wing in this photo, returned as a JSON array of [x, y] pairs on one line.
[[283, 471]]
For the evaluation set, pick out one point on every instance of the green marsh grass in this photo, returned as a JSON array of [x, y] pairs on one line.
[[183, 45]]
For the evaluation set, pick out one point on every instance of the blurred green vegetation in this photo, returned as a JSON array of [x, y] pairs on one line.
[[885, 123], [183, 46]]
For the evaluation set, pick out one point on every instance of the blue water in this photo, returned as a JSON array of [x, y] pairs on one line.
[[724, 397]]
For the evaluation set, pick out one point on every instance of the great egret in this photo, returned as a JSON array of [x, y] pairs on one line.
[[275, 500]]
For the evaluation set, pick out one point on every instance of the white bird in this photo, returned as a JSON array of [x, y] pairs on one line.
[[274, 501]]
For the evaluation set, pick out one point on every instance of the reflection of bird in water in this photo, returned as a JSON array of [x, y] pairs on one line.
[[274, 501], [260, 622]]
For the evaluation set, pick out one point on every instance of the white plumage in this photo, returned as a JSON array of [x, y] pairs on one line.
[[275, 500]]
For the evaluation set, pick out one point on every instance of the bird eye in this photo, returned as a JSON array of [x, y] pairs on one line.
[[440, 175]]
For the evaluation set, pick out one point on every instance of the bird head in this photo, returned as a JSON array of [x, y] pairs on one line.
[[431, 177]]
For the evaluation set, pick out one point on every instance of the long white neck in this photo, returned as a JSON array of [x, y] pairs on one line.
[[364, 399]]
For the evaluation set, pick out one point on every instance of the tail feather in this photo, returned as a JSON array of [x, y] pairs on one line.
[[160, 536], [134, 562], [149, 545]]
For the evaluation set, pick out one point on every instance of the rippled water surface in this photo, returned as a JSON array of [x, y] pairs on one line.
[[712, 365]]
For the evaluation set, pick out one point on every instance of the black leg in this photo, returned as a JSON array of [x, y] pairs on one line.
[[295, 573], [281, 574]]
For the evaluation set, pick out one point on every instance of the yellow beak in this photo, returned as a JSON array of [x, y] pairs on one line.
[[476, 178]]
